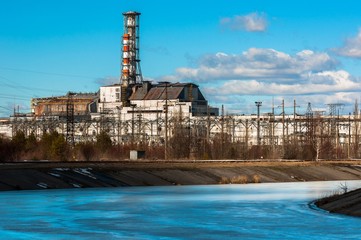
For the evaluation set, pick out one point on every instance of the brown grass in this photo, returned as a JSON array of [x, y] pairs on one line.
[[240, 179], [224, 180], [256, 178]]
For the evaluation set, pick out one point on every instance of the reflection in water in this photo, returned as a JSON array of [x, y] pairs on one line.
[[253, 211]]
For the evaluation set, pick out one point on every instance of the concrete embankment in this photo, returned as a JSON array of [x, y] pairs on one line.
[[51, 175], [348, 203]]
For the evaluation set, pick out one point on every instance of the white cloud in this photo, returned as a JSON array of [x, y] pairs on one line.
[[256, 63], [339, 87], [319, 83], [253, 22], [351, 47], [237, 80]]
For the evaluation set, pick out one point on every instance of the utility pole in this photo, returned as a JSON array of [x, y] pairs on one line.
[[139, 115], [355, 130], [258, 104], [309, 124], [246, 137], [233, 130], [133, 107], [70, 119], [349, 136], [222, 132], [118, 124], [166, 123], [208, 124], [283, 122], [294, 121], [273, 127]]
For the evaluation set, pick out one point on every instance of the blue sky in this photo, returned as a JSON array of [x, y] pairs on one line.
[[237, 51]]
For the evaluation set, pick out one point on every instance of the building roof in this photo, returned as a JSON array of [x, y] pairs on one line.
[[74, 95], [158, 92]]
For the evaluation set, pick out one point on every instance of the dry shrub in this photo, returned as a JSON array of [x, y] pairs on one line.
[[224, 180], [87, 151], [242, 179], [155, 152], [256, 178]]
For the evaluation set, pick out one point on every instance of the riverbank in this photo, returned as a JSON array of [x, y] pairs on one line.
[[348, 203], [56, 175]]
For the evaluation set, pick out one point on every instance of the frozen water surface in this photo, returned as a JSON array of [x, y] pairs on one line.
[[253, 211]]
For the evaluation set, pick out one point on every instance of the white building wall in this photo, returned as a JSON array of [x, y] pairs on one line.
[[110, 93], [109, 99]]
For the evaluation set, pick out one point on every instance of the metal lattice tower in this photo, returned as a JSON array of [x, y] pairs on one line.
[[131, 71], [309, 123], [309, 112], [334, 113], [333, 108], [70, 119]]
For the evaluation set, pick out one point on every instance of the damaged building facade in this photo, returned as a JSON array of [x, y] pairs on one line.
[[84, 103]]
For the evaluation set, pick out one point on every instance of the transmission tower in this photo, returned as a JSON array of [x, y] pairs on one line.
[[334, 113], [334, 109], [309, 122], [70, 119]]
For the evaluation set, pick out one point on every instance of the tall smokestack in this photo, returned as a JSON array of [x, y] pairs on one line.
[[131, 73]]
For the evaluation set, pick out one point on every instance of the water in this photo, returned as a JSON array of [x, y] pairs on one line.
[[253, 211]]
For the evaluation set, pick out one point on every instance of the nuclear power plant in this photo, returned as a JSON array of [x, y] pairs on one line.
[[125, 109], [135, 110]]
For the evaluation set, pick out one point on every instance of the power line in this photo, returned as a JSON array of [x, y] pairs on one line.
[[27, 88], [47, 73], [14, 98], [5, 108]]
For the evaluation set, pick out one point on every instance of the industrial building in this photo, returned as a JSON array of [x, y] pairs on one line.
[[154, 98], [84, 104]]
